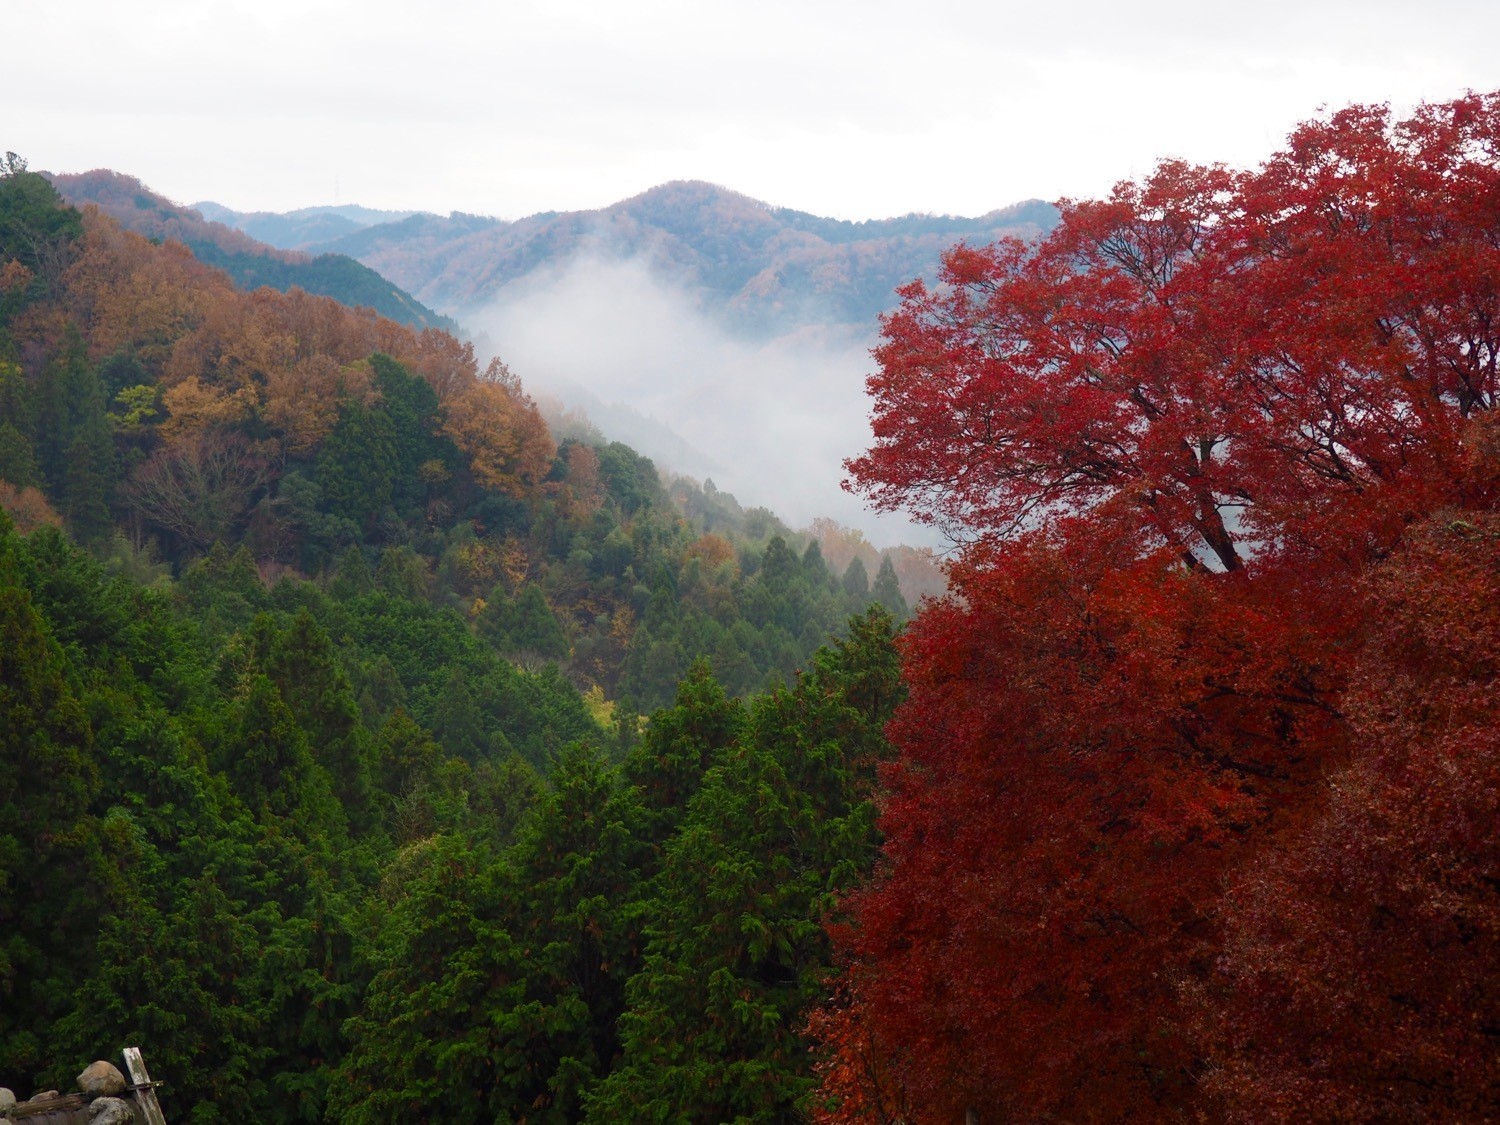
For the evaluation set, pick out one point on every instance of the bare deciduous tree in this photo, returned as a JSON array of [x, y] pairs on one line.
[[199, 489]]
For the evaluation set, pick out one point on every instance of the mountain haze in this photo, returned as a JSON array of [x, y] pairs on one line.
[[761, 269], [721, 335], [302, 228]]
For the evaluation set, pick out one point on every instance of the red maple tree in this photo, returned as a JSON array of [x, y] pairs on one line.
[[1179, 438]]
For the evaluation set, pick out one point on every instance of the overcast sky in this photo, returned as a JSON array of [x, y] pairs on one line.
[[856, 110]]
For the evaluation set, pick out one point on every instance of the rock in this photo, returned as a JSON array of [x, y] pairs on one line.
[[7, 1099], [40, 1094], [101, 1080], [111, 1111]]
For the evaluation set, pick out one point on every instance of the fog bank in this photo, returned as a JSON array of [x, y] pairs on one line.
[[770, 421]]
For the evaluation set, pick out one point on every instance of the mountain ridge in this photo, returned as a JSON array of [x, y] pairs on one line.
[[302, 228], [760, 268], [249, 261]]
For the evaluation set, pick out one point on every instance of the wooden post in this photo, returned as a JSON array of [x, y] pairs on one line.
[[144, 1090], [971, 1116]]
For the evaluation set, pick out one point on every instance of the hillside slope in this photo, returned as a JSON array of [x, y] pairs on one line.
[[344, 649], [248, 262]]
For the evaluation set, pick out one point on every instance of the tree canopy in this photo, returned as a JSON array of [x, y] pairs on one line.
[[1162, 839]]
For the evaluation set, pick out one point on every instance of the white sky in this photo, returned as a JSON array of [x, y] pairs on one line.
[[857, 110]]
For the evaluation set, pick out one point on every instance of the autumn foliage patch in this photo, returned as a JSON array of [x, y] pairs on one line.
[[1195, 813]]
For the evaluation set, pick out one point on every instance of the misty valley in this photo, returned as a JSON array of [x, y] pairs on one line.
[[700, 661]]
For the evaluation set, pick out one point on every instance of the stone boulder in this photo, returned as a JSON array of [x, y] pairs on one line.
[[101, 1080], [111, 1111], [42, 1095], [7, 1099]]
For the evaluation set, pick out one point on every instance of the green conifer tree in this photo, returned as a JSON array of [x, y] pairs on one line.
[[737, 953], [856, 581], [499, 979], [813, 565], [48, 780], [353, 577], [887, 591], [533, 627], [67, 392], [306, 670], [357, 464], [424, 461], [457, 721], [17, 411], [778, 564], [90, 476], [267, 757], [679, 745], [422, 1044]]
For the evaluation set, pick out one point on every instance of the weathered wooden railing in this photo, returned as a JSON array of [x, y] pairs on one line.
[[74, 1109]]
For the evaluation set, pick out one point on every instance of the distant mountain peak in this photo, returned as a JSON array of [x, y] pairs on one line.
[[761, 268], [682, 190]]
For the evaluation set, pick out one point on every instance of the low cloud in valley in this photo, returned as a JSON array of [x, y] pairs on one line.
[[768, 420]]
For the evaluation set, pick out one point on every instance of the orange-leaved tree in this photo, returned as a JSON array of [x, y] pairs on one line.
[[501, 432]]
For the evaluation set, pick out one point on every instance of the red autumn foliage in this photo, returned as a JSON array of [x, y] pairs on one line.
[[1092, 738], [27, 508], [1280, 359], [1195, 780], [1358, 974]]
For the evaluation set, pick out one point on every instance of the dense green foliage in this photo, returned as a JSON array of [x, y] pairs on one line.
[[323, 776], [275, 860], [198, 807], [735, 951], [650, 943]]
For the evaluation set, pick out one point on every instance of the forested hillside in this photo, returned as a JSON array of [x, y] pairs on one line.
[[322, 668], [301, 229], [249, 263]]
